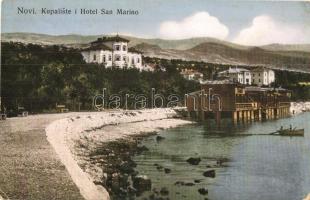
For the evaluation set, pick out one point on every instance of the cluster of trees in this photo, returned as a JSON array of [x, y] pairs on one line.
[[39, 77], [293, 81], [209, 70]]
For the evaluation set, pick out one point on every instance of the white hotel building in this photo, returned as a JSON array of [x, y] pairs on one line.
[[240, 75], [112, 51], [259, 76], [262, 76]]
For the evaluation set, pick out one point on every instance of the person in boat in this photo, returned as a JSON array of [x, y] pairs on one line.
[[281, 128], [290, 127]]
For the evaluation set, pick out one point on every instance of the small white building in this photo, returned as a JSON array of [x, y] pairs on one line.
[[112, 51], [239, 75], [191, 74], [262, 76]]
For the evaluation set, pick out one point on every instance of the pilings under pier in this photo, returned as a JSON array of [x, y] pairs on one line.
[[242, 116]]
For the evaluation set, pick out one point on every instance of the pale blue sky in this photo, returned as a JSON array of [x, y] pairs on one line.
[[235, 15]]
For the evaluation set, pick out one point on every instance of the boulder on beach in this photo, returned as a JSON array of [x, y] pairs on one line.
[[118, 180], [142, 183], [193, 161], [203, 191], [127, 166], [209, 173]]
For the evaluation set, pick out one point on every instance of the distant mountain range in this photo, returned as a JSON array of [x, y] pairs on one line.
[[290, 57]]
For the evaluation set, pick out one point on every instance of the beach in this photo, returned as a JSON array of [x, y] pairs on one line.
[[29, 166], [76, 136]]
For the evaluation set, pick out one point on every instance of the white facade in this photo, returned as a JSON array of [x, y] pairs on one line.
[[258, 76], [112, 51], [239, 75], [192, 75], [262, 76]]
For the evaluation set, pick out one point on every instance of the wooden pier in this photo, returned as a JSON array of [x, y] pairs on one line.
[[240, 103]]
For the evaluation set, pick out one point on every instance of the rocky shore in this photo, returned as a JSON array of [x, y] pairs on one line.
[[96, 148], [299, 107]]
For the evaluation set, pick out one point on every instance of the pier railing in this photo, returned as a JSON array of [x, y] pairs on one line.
[[246, 106], [284, 104]]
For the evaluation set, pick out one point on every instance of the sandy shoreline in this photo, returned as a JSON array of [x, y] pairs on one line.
[[92, 129]]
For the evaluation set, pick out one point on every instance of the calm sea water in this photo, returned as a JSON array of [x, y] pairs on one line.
[[258, 167]]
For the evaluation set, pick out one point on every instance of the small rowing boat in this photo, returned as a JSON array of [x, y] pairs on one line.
[[291, 132]]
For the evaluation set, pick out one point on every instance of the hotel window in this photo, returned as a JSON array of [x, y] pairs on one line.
[[117, 57], [138, 60], [124, 58], [110, 57], [117, 47], [103, 58], [94, 57], [132, 61], [259, 74], [258, 80], [124, 47]]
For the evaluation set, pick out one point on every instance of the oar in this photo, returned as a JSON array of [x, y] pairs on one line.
[[273, 133]]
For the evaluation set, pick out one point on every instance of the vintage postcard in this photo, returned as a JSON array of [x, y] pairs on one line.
[[155, 100]]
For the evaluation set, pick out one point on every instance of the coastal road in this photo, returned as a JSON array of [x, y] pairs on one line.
[[29, 166]]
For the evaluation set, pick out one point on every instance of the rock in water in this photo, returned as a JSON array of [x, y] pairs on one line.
[[193, 161], [203, 191], [209, 173], [141, 149], [189, 184], [179, 183], [197, 180], [164, 191], [142, 183], [159, 138], [167, 171], [159, 167]]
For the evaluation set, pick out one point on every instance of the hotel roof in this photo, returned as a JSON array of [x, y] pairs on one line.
[[264, 89], [217, 82], [234, 70], [116, 38], [97, 46]]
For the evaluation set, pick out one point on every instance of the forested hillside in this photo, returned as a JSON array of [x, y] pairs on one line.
[[37, 77]]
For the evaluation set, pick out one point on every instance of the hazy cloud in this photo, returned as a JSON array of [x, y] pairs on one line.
[[200, 24], [265, 30]]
